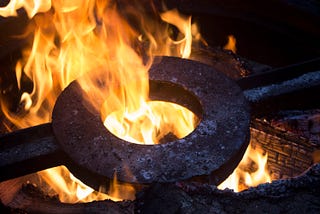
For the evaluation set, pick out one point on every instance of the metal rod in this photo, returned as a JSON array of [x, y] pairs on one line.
[[279, 75], [28, 150], [290, 87]]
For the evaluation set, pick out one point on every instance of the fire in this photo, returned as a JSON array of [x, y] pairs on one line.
[[89, 37], [231, 45], [72, 190], [32, 7], [93, 38], [152, 122], [184, 25], [250, 172], [64, 183]]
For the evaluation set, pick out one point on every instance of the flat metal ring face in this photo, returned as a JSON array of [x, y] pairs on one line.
[[212, 150]]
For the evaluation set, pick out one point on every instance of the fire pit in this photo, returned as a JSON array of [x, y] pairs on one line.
[[78, 138]]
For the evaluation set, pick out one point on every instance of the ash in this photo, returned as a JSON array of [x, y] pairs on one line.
[[304, 81]]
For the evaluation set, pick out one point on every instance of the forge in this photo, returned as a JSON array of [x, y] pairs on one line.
[[240, 104]]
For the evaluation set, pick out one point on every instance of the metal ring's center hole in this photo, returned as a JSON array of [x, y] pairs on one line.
[[162, 119]]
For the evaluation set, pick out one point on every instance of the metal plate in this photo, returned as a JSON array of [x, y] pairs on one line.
[[211, 151]]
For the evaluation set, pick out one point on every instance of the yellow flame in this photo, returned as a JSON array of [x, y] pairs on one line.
[[121, 191], [151, 122], [244, 176], [231, 45], [71, 189], [183, 23], [91, 38], [32, 7]]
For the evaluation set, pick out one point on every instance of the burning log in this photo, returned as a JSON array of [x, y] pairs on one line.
[[304, 122], [288, 154], [31, 199], [295, 195]]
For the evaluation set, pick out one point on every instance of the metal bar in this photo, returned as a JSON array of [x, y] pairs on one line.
[[29, 150], [290, 87], [302, 82], [279, 75]]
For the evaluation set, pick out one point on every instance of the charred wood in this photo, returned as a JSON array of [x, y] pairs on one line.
[[294, 195]]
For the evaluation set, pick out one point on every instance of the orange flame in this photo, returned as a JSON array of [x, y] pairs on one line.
[[183, 23], [90, 37], [151, 122], [250, 172], [119, 191], [70, 189], [231, 45]]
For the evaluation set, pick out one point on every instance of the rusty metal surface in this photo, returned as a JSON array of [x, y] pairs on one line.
[[214, 148]]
